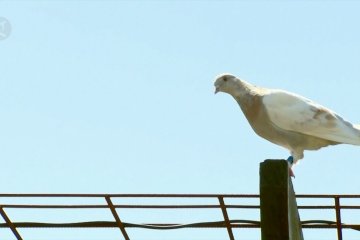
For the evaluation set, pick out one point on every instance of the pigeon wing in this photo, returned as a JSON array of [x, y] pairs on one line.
[[295, 113]]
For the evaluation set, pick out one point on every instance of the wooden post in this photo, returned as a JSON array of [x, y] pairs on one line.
[[279, 215]]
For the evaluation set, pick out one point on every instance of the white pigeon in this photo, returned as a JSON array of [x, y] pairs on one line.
[[287, 119]]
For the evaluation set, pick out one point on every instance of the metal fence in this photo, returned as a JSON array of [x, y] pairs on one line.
[[10, 202]]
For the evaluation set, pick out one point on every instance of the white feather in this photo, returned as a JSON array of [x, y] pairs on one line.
[[296, 113]]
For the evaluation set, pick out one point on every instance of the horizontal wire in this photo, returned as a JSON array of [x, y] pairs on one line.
[[160, 226]]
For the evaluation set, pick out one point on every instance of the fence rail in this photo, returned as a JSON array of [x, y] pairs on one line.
[[117, 222]]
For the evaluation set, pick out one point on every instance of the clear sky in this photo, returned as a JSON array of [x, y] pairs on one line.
[[117, 96]]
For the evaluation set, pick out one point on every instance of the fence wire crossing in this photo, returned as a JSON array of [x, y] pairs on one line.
[[10, 202]]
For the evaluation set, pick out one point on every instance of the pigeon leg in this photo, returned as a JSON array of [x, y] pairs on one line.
[[291, 161]]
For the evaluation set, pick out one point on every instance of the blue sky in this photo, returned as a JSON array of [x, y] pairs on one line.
[[117, 96]]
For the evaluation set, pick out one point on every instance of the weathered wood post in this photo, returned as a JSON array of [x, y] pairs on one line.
[[279, 214]]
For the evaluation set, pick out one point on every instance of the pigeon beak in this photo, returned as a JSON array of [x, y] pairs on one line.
[[216, 90]]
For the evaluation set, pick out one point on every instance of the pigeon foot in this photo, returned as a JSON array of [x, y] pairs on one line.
[[291, 162]]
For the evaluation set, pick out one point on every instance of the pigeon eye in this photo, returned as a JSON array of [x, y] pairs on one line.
[[225, 79]]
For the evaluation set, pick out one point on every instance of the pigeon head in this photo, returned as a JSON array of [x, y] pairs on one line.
[[225, 83]]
